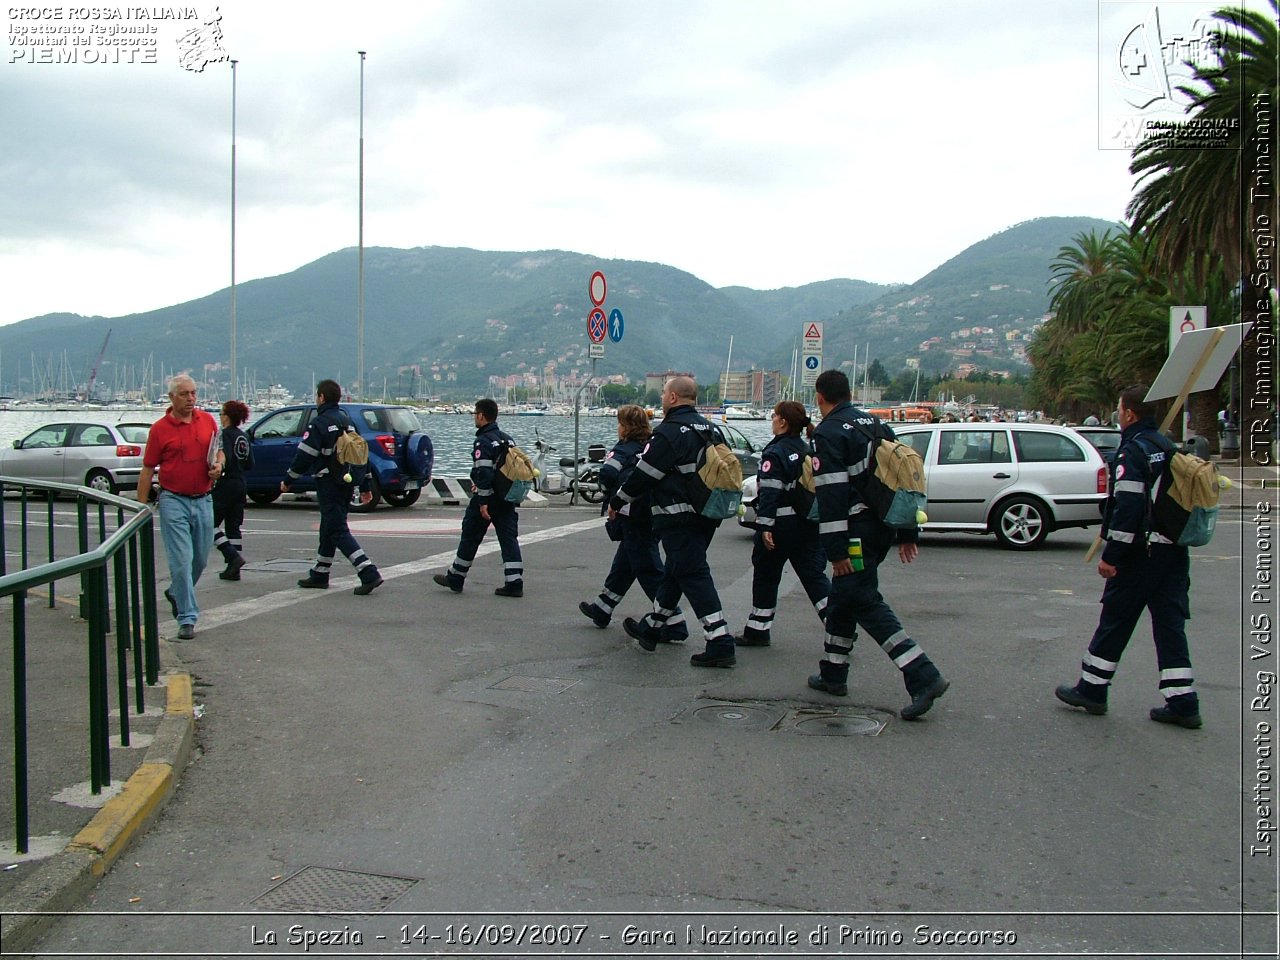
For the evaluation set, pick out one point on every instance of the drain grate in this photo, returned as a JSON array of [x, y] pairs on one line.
[[550, 685], [326, 890]]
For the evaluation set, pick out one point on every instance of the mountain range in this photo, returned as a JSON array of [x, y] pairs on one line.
[[454, 317]]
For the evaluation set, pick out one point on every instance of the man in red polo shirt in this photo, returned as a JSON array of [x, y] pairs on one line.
[[184, 444]]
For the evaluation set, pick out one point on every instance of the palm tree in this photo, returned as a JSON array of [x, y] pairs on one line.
[[1194, 202]]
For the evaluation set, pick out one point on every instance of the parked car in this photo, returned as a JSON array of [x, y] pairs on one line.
[[1106, 440], [1020, 481], [104, 456], [400, 452], [742, 448]]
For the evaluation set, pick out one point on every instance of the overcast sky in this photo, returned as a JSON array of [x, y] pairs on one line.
[[749, 142]]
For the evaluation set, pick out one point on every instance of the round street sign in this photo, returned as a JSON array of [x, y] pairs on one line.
[[615, 325], [811, 363], [596, 325], [597, 289]]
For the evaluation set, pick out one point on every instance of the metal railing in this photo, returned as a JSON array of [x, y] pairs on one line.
[[121, 565]]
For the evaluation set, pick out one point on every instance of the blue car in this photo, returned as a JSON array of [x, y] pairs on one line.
[[400, 452]]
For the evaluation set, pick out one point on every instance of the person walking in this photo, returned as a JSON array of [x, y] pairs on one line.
[[184, 445], [637, 557], [229, 492], [669, 457], [317, 455], [784, 532], [850, 531], [1142, 570], [487, 506]]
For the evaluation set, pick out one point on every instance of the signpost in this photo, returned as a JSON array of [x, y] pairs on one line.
[[812, 354]]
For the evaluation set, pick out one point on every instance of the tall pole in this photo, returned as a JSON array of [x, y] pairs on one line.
[[360, 309], [233, 392]]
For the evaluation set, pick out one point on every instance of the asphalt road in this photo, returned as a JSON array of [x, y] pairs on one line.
[[428, 773]]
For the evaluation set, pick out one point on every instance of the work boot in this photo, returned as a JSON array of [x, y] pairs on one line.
[[513, 589], [640, 630], [234, 563], [831, 678], [1077, 698], [676, 633], [448, 580], [312, 582], [593, 613], [752, 637], [367, 586], [1181, 711], [716, 655], [925, 684]]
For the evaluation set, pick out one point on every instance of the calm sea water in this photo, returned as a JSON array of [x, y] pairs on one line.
[[450, 434]]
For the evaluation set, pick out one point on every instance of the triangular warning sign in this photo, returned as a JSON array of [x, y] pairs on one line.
[[813, 332]]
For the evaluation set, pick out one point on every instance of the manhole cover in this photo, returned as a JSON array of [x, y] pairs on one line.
[[550, 685], [736, 715], [325, 890], [283, 566], [838, 725]]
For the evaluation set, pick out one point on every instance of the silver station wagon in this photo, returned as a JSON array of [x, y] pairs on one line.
[[1020, 481]]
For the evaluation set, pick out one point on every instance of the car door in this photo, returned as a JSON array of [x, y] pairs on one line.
[[275, 443], [970, 469], [89, 445], [39, 455]]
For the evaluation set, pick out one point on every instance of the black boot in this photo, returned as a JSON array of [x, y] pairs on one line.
[[925, 684], [832, 678]]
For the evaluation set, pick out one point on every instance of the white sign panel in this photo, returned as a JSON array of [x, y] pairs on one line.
[[1188, 353], [811, 333], [812, 367], [596, 351]]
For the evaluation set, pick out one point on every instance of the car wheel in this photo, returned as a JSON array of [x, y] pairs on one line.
[[406, 499], [263, 497], [101, 481], [374, 489], [1021, 523]]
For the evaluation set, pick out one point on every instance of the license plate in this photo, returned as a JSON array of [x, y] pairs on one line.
[[411, 484]]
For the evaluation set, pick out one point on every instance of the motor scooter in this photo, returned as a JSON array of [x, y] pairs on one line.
[[576, 479]]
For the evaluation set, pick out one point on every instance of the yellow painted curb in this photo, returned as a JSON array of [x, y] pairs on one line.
[[179, 698], [110, 831]]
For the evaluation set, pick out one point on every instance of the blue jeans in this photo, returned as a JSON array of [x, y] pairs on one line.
[[186, 526]]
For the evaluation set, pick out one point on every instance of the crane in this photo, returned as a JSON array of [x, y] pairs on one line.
[[93, 374]]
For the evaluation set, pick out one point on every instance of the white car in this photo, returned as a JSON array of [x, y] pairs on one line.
[[1020, 481]]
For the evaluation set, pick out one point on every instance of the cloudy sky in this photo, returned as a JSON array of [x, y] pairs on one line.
[[764, 143]]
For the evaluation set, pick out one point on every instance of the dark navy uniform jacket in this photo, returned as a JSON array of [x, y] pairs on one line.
[[781, 464], [843, 456], [316, 448], [614, 472], [1133, 471], [487, 453], [665, 464]]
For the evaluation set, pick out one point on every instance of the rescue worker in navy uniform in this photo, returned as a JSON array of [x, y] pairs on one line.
[[317, 455], [782, 534], [1143, 570], [637, 557], [668, 458], [842, 458], [229, 491], [486, 507]]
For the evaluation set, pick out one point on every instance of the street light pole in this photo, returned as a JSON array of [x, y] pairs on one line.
[[234, 391], [360, 309]]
